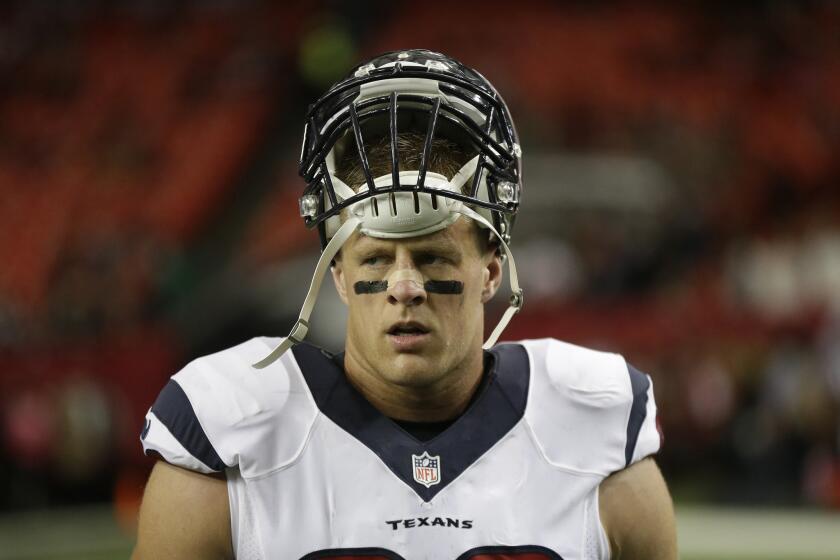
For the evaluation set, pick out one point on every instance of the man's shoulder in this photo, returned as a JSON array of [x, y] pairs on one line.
[[229, 374], [567, 366], [215, 412], [225, 388], [233, 361], [587, 407]]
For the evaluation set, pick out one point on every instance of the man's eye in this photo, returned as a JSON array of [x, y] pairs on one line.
[[431, 259], [374, 260]]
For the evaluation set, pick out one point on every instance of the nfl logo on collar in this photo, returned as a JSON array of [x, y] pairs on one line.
[[426, 469]]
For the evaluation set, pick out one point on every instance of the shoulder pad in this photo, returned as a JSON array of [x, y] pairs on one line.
[[220, 412], [590, 411]]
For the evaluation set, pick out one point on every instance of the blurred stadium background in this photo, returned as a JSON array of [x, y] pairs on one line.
[[682, 206]]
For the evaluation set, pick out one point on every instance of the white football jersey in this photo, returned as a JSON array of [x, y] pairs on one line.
[[315, 471]]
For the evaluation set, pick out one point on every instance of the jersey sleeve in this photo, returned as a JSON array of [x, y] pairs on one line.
[[643, 435], [219, 412], [174, 433], [590, 411]]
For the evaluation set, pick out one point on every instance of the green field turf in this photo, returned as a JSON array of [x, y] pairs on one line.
[[705, 533]]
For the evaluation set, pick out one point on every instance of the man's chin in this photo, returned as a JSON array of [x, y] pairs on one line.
[[413, 369]]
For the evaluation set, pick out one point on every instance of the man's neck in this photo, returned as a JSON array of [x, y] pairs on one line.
[[441, 401]]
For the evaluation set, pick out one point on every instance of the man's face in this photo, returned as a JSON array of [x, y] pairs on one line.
[[409, 333]]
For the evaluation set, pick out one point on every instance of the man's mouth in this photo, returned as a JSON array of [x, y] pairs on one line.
[[410, 328]]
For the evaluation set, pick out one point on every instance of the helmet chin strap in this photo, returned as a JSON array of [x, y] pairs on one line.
[[516, 298], [301, 327]]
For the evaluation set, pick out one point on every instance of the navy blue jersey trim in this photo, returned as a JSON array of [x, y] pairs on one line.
[[492, 414], [639, 383], [145, 431], [173, 408]]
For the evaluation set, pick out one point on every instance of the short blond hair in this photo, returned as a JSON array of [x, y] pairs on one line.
[[446, 158]]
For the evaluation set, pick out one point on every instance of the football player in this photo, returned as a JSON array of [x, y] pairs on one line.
[[417, 441]]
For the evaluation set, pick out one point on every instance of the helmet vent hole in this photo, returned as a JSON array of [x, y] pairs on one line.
[[374, 206], [393, 201], [416, 204]]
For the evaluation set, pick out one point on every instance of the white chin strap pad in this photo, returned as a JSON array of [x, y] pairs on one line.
[[391, 216], [394, 216], [405, 214]]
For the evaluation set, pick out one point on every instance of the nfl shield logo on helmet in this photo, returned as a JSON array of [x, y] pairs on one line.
[[426, 469]]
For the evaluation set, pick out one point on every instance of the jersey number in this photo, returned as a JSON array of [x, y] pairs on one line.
[[481, 553]]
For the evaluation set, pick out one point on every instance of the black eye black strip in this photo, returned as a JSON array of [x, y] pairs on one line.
[[444, 287], [451, 287], [370, 287]]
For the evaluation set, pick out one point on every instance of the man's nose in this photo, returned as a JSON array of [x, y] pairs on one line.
[[405, 286]]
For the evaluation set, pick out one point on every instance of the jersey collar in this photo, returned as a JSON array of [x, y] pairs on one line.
[[492, 414]]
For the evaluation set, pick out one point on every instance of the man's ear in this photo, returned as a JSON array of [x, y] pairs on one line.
[[338, 279], [493, 273]]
